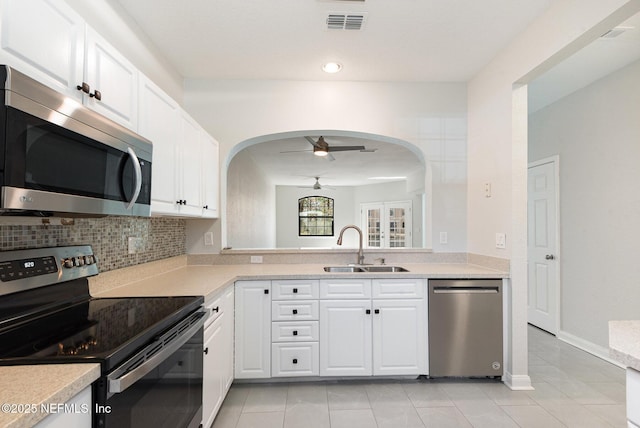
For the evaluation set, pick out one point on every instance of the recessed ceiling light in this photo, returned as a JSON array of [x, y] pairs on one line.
[[332, 67]]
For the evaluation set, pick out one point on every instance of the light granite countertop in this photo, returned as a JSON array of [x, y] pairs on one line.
[[209, 280], [36, 385], [624, 342], [173, 277]]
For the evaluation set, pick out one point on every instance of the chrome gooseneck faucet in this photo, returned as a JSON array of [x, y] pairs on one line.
[[360, 253]]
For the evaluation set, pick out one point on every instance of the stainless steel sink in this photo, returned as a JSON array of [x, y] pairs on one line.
[[385, 269], [365, 269], [343, 269]]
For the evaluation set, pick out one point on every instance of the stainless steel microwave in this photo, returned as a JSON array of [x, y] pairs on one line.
[[58, 157]]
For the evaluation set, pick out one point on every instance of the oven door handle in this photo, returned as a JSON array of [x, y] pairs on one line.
[[138, 173], [119, 383]]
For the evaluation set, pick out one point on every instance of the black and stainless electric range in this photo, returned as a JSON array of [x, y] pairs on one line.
[[150, 348]]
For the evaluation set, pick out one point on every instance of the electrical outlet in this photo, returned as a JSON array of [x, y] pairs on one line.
[[135, 245], [487, 190], [444, 238], [208, 239], [256, 259], [501, 240]]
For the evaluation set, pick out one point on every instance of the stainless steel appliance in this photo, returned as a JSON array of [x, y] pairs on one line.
[[465, 328], [59, 157], [150, 349]]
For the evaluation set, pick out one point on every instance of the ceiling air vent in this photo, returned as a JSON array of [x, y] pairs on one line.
[[345, 21]]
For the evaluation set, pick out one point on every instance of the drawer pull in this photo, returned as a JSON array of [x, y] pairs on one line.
[[216, 309], [295, 312], [295, 291], [295, 361], [295, 332]]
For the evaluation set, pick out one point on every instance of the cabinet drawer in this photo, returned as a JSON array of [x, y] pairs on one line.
[[398, 288], [295, 289], [295, 331], [345, 289], [289, 310], [215, 308], [295, 359]]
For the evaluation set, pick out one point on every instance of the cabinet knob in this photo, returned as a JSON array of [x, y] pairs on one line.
[[295, 291], [295, 361], [84, 88], [549, 257], [377, 311], [295, 332], [206, 351], [97, 95], [368, 311], [206, 207], [216, 309], [295, 312], [266, 291]]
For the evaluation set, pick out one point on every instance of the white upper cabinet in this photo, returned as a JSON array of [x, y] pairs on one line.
[[113, 81], [44, 39], [50, 42], [190, 156], [159, 120], [210, 172]]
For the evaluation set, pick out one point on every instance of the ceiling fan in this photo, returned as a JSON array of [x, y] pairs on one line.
[[316, 186], [322, 148]]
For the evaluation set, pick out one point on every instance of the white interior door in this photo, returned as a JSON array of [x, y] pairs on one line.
[[543, 301]]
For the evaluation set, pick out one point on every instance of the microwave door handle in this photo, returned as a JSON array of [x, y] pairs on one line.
[[138, 172]]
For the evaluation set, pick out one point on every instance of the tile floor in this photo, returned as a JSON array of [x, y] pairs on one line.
[[572, 389]]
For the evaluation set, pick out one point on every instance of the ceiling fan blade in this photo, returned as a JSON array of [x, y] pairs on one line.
[[312, 142], [296, 151], [345, 148]]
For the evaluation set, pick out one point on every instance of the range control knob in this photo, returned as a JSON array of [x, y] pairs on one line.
[[80, 261], [89, 260], [68, 263]]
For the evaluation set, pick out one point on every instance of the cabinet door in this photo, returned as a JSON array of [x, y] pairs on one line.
[[213, 372], [110, 73], [210, 175], [71, 419], [345, 338], [45, 40], [253, 329], [159, 122], [190, 167], [399, 337]]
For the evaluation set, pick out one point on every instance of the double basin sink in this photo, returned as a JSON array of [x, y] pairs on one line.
[[372, 269]]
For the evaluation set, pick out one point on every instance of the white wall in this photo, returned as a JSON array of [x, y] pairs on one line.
[[430, 116], [287, 217], [596, 133], [497, 144], [251, 205]]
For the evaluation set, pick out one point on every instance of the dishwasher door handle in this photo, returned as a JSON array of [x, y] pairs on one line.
[[466, 290]]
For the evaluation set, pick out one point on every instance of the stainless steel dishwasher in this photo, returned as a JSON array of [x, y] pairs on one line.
[[465, 327]]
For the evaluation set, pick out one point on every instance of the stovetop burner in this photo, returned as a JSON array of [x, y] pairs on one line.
[[61, 322]]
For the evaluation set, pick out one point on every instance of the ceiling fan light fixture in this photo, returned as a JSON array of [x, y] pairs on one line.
[[320, 151], [331, 67]]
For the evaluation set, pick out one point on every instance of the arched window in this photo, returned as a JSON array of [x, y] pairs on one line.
[[315, 216]]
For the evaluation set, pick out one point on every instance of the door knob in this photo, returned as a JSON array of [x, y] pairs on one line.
[[549, 257]]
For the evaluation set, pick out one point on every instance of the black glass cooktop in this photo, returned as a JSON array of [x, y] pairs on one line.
[[101, 329]]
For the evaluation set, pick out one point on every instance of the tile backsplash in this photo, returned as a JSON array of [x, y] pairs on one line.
[[109, 237]]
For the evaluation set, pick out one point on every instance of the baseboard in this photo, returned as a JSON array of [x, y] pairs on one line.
[[517, 382], [590, 347]]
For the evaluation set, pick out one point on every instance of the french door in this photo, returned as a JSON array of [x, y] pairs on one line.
[[387, 224]]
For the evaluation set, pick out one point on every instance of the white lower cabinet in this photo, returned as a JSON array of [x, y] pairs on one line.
[[218, 356], [335, 327], [78, 419], [364, 337], [253, 329], [633, 397]]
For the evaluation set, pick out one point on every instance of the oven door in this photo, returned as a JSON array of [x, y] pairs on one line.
[[71, 167], [160, 386]]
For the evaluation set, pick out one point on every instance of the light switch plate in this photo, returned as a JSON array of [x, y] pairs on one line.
[[444, 238], [501, 240], [208, 239]]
